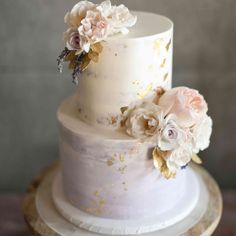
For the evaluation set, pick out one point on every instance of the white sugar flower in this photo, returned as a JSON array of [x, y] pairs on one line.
[[201, 134], [93, 28], [78, 12], [143, 121], [178, 158], [105, 8], [121, 19], [171, 135]]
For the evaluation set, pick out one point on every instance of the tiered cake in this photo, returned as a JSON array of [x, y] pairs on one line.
[[126, 137]]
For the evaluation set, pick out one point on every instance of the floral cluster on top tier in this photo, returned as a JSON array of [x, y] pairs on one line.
[[177, 121], [90, 24]]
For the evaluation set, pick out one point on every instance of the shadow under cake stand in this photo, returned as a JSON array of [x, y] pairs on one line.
[[59, 226]]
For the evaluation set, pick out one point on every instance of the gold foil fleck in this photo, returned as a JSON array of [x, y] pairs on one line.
[[165, 77], [144, 93], [96, 193], [136, 82], [157, 45], [122, 158], [133, 150], [110, 162], [168, 45], [163, 63], [122, 169]]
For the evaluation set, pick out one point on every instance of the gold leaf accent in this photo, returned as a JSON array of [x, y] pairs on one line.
[[168, 45], [196, 159], [163, 63], [97, 47], [160, 163]]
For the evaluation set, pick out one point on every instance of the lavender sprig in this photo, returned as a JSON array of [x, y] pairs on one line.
[[61, 59], [78, 68]]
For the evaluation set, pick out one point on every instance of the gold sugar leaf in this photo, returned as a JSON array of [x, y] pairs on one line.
[[72, 65], [71, 56], [196, 159], [168, 45], [85, 62], [97, 47], [92, 55], [160, 163]]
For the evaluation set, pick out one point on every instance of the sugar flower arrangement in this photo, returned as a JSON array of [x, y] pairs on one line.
[[88, 25], [177, 121]]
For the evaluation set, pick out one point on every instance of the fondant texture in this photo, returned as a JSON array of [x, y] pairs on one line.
[[130, 67], [109, 174]]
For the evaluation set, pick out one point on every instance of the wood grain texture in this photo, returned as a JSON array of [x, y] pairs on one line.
[[204, 227]]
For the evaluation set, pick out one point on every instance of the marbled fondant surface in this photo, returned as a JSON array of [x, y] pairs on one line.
[[109, 174], [129, 68]]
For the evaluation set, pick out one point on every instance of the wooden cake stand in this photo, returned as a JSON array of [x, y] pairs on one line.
[[204, 227]]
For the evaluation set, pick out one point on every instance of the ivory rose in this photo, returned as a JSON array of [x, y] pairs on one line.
[[78, 12], [187, 104], [93, 28], [171, 135], [72, 39], [201, 134], [143, 121]]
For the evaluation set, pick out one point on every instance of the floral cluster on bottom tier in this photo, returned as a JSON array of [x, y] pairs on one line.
[[176, 120]]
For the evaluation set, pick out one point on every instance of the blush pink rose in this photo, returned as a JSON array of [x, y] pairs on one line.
[[187, 104], [94, 27]]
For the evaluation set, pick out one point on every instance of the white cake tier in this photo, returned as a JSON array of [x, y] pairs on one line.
[[111, 175], [130, 67]]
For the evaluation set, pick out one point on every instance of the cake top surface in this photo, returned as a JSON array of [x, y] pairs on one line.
[[148, 24]]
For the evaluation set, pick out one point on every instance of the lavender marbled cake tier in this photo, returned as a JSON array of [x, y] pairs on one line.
[[109, 174]]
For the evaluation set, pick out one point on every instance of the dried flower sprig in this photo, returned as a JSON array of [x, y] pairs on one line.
[[78, 62]]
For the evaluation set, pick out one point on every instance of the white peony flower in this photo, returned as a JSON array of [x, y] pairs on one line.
[[178, 158], [201, 134], [121, 19], [143, 121], [93, 28], [105, 8], [171, 135], [78, 12]]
